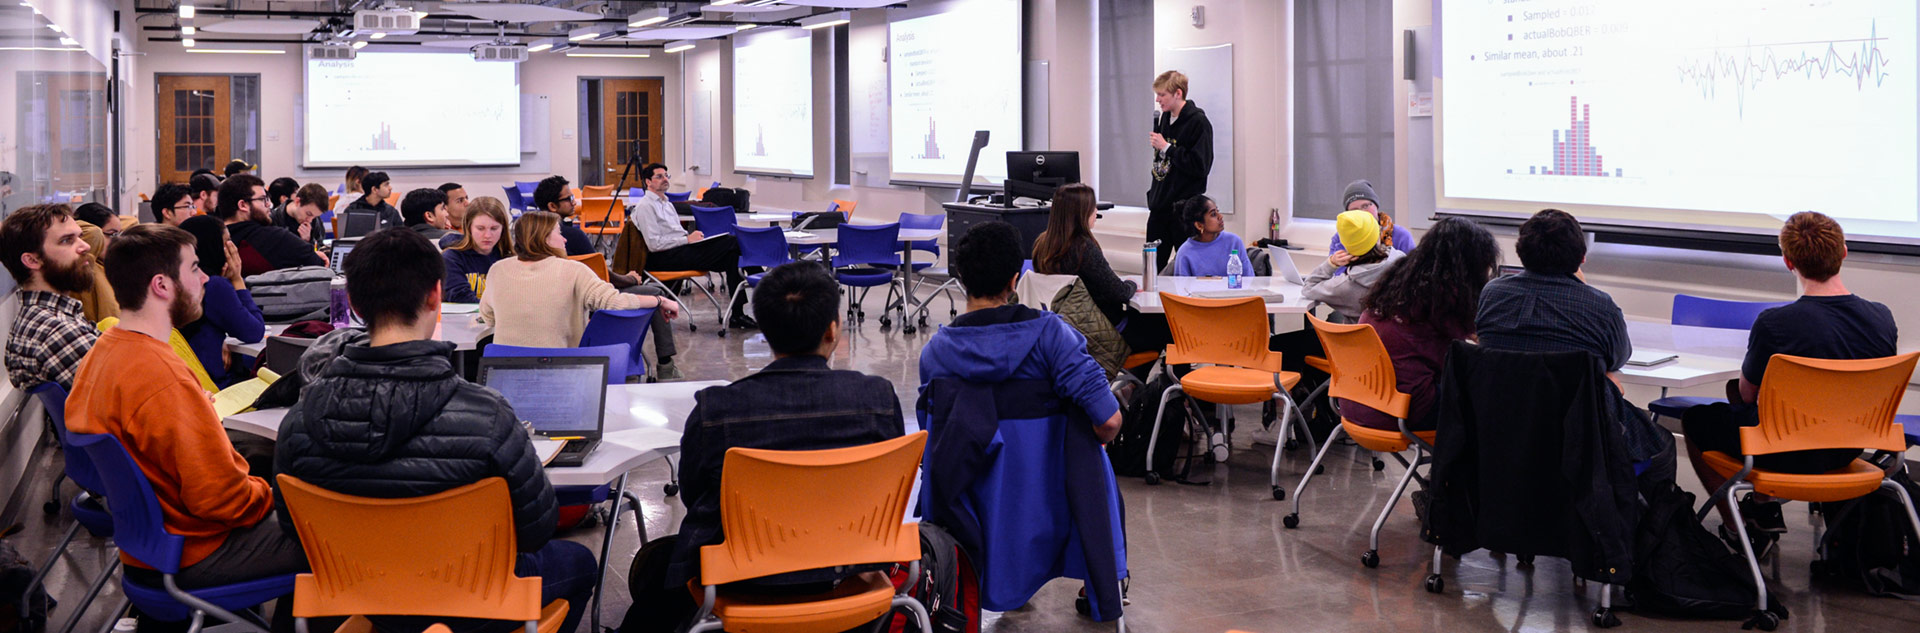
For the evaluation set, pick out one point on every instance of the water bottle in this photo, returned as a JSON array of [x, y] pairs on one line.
[[1233, 269], [338, 310], [1149, 255]]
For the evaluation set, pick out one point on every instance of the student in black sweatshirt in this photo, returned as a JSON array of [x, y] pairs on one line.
[[1182, 142]]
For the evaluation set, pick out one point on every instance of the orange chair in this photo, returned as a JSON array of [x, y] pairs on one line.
[[144, 198], [448, 555], [1812, 404], [1361, 372], [845, 207], [1230, 335], [632, 254], [333, 201], [787, 511], [595, 261], [596, 191], [602, 217]]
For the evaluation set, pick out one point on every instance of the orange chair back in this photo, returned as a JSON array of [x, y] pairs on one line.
[[394, 199], [596, 191], [144, 198], [1810, 404], [1362, 369], [333, 201], [595, 261], [846, 207], [1219, 332], [786, 511], [449, 554], [601, 212]]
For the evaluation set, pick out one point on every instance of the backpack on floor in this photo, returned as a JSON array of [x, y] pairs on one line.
[[947, 586], [16, 617], [292, 294], [1128, 451], [739, 199], [1870, 543], [1681, 569]]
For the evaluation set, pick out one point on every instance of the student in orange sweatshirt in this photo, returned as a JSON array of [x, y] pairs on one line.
[[133, 386]]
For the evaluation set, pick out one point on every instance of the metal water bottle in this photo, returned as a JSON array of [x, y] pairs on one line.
[[1148, 255], [339, 311]]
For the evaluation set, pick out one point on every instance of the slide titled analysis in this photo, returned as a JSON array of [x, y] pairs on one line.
[[1763, 106], [952, 74], [773, 103], [397, 109]]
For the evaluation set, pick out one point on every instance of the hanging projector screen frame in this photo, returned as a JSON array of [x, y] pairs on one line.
[[769, 39], [963, 138], [1710, 230], [306, 127]]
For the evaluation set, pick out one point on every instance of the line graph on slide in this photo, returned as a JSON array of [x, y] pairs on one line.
[[1744, 67]]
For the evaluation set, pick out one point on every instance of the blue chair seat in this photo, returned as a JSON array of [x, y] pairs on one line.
[[1911, 425], [917, 266], [581, 495], [864, 277], [1676, 406], [155, 602], [753, 280], [91, 515]]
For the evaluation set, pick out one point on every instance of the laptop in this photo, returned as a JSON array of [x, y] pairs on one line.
[[337, 255], [1283, 265], [561, 398]]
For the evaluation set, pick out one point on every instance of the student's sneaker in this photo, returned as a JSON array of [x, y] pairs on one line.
[[1763, 516], [666, 371], [1763, 542]]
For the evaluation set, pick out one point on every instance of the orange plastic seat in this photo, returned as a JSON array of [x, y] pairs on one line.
[[595, 261], [449, 554], [845, 207], [1230, 335], [1138, 359], [1319, 363], [596, 191], [1382, 441], [788, 511], [1234, 385], [1853, 481]]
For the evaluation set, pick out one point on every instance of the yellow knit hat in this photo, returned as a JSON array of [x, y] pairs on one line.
[[1359, 232]]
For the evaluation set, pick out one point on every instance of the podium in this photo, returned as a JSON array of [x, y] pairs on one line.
[[1030, 222]]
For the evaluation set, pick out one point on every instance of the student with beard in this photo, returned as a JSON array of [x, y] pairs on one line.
[[43, 251]]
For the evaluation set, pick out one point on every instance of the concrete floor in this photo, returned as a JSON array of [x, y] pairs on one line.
[[1204, 558]]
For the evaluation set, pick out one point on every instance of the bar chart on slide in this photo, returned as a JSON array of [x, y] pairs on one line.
[[384, 140], [1573, 150], [932, 151]]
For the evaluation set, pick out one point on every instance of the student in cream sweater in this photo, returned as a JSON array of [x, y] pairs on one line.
[[539, 298]]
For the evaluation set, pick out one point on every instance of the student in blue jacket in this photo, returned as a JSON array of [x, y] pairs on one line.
[[1208, 243], [227, 309]]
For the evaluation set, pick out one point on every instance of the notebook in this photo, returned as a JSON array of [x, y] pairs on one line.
[[1650, 358], [1264, 294], [562, 399]]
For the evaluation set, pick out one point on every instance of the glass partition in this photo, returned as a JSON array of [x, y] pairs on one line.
[[54, 144]]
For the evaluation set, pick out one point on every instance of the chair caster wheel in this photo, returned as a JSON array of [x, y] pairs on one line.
[[723, 332], [1153, 478], [1371, 559], [693, 327], [1083, 607], [1765, 620], [1320, 470], [909, 328], [51, 507], [1436, 584], [1279, 494], [1605, 619], [1291, 521], [886, 321], [1525, 560], [1379, 465], [671, 489]]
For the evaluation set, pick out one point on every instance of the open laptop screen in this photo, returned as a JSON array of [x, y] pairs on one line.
[[557, 395]]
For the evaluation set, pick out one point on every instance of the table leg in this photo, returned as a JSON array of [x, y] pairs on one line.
[[617, 495]]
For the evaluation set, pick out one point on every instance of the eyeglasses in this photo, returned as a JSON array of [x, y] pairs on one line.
[[258, 200]]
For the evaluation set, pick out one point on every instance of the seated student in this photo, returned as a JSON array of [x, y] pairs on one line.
[[553, 195], [796, 403], [1067, 247], [377, 187], [1550, 308], [673, 247], [1420, 307], [1208, 245], [172, 204], [227, 307], [236, 167], [483, 241], [99, 217], [390, 418], [1827, 321], [1343, 291], [97, 225], [456, 215], [42, 249], [425, 210], [279, 191], [263, 248], [539, 298], [206, 193], [302, 212], [349, 189], [167, 423], [1360, 197]]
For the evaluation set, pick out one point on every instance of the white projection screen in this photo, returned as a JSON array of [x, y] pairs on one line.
[[408, 109], [1719, 116], [954, 68], [773, 103]]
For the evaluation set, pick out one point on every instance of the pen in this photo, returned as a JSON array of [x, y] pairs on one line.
[[566, 438]]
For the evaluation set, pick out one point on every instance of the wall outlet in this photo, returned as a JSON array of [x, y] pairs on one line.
[[273, 136], [566, 133], [1200, 17]]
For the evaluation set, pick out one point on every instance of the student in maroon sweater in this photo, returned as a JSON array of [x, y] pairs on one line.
[[1419, 306]]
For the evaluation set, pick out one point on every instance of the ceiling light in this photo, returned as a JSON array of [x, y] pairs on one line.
[[186, 11], [587, 33], [240, 51], [188, 29], [68, 41], [682, 45], [541, 45], [359, 45], [187, 42], [649, 17], [587, 54], [743, 27], [376, 36], [825, 20], [55, 28], [40, 48], [722, 3]]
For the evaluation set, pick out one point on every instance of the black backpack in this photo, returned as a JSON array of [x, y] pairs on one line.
[[1870, 543], [15, 575], [947, 586], [1128, 451], [1681, 569], [739, 199]]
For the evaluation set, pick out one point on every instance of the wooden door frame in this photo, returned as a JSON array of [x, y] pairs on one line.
[[598, 140], [158, 160]]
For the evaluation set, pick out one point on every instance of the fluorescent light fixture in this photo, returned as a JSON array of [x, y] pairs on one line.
[[239, 51], [722, 3], [586, 33], [68, 41], [681, 45], [825, 20], [582, 53], [649, 17], [186, 10], [377, 35], [187, 42], [743, 27], [188, 29], [359, 45], [40, 48], [541, 45], [55, 28]]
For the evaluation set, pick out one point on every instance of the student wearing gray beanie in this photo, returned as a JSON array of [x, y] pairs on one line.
[[1359, 196]]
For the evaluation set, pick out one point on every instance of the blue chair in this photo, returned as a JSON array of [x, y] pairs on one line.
[[141, 532], [1713, 313], [87, 511], [621, 327], [1911, 425], [858, 260], [761, 247], [526, 194], [714, 220], [679, 197], [921, 221], [616, 356], [515, 200]]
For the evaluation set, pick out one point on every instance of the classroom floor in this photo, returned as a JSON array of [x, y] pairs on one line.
[[1204, 558]]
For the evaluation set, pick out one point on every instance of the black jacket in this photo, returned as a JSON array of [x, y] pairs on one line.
[[396, 421], [1528, 461], [1181, 171], [277, 247], [390, 217], [316, 230]]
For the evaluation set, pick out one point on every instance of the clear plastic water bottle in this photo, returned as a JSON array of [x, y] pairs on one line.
[[338, 310], [1233, 269]]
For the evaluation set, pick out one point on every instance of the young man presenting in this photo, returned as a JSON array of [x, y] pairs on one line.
[[43, 251], [1182, 143]]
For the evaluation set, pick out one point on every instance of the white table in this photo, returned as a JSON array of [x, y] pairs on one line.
[[463, 330], [1149, 302], [1707, 355], [909, 302]]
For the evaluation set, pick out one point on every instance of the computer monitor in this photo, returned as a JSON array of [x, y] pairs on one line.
[[1037, 174]]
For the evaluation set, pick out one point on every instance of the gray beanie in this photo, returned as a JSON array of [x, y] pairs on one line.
[[1358, 190]]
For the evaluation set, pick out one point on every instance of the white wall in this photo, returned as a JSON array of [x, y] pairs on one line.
[[1262, 67]]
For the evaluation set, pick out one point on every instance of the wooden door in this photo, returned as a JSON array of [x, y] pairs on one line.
[[194, 114], [77, 108], [633, 121]]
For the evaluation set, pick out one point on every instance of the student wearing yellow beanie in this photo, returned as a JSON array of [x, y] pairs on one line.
[[1344, 291]]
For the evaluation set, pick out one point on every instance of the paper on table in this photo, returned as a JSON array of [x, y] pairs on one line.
[[239, 398], [1641, 358], [459, 308], [545, 449]]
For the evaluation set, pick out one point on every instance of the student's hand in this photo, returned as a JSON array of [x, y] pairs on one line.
[[695, 236], [1339, 258], [1109, 430], [1159, 142], [233, 272], [669, 307], [306, 231]]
